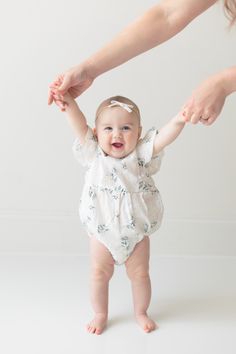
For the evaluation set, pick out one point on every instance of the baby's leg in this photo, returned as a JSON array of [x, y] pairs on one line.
[[137, 267], [102, 267]]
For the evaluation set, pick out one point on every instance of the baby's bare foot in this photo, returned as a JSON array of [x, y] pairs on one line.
[[146, 323], [98, 324]]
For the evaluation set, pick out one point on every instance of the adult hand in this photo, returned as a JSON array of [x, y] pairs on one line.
[[75, 81], [206, 102]]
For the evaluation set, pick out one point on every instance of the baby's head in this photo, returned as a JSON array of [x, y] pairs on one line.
[[117, 126]]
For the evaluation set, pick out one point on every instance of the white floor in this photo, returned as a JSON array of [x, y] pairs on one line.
[[44, 307]]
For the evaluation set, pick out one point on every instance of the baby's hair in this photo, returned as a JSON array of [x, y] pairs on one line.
[[121, 99]]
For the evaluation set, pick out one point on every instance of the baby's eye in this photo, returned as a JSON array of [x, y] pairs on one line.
[[126, 127], [108, 128]]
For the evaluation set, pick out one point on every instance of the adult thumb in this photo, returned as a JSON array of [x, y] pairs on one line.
[[65, 85]]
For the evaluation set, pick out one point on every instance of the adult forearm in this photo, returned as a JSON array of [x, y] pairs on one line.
[[138, 37], [156, 26]]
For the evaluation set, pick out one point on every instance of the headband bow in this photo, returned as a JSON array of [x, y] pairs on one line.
[[127, 107]]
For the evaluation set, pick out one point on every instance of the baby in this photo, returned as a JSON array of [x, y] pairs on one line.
[[120, 204]]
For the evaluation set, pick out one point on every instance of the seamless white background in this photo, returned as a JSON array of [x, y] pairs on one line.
[[40, 183]]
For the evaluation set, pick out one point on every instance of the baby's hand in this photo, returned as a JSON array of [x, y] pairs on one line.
[[60, 100]]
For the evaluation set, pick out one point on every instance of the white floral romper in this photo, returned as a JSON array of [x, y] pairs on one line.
[[120, 203]]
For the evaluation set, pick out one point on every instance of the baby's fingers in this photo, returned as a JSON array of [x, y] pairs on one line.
[[62, 105], [58, 101], [57, 96], [50, 97]]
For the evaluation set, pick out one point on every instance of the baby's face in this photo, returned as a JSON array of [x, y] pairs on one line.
[[117, 131]]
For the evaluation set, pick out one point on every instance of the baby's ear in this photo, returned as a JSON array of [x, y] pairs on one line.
[[95, 131]]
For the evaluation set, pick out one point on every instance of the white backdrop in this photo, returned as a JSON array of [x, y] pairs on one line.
[[41, 182]]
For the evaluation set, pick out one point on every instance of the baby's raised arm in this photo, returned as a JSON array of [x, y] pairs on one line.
[[76, 118], [168, 133]]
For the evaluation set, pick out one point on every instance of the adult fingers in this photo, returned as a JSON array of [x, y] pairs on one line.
[[65, 84], [57, 82], [195, 118], [52, 87], [187, 114], [203, 121], [211, 119]]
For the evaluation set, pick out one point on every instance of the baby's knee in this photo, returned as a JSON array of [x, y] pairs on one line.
[[139, 273], [102, 272]]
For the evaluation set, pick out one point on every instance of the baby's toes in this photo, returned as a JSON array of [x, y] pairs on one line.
[[90, 329], [98, 331], [146, 328]]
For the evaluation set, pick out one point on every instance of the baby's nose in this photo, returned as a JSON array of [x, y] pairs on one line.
[[117, 133]]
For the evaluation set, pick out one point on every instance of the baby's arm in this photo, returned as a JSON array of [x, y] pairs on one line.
[[76, 118], [168, 133]]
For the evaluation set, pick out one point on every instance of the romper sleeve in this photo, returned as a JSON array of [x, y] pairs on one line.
[[86, 152], [145, 152]]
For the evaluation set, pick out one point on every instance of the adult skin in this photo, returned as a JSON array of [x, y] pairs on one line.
[[157, 25]]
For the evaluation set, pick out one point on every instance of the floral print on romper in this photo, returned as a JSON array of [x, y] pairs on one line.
[[120, 203]]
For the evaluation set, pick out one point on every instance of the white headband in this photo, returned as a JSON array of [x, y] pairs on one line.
[[127, 107]]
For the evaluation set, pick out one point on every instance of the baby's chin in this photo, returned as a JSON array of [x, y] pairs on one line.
[[119, 154]]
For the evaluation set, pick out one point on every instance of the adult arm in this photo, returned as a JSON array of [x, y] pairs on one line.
[[154, 27]]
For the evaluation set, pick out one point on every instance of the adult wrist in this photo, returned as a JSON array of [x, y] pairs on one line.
[[90, 68], [227, 80]]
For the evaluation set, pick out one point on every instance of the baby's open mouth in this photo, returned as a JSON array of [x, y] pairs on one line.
[[117, 145]]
